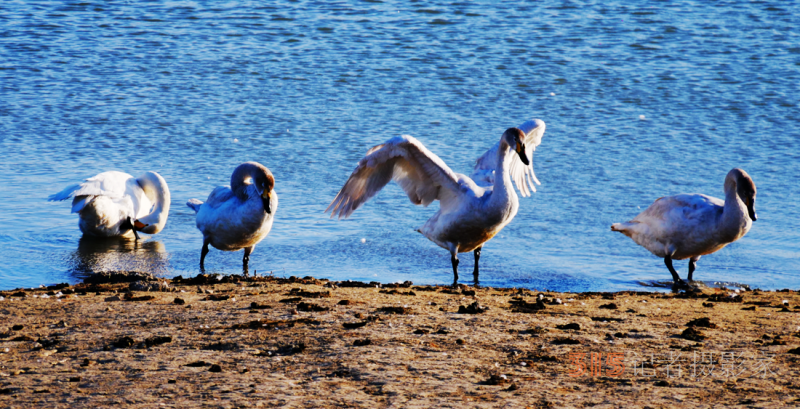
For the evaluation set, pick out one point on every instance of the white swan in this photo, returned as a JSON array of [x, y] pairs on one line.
[[469, 215], [117, 204], [693, 225], [239, 216]]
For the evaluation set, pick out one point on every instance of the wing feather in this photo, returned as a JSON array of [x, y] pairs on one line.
[[523, 176], [419, 172]]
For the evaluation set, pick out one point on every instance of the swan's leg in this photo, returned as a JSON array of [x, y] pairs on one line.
[[454, 261], [203, 252], [692, 266], [677, 282], [477, 253], [246, 260]]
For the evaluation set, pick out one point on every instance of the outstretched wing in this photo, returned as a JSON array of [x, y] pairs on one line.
[[422, 175], [522, 175]]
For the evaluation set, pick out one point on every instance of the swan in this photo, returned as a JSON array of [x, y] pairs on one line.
[[239, 216], [693, 225], [113, 204], [471, 210]]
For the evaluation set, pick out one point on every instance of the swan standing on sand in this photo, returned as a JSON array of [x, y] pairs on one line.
[[693, 225], [115, 204], [239, 216], [471, 210]]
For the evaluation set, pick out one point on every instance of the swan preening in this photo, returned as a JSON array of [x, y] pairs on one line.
[[239, 216], [471, 210], [117, 204], [693, 225]]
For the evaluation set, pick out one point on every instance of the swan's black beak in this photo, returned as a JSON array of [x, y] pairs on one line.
[[265, 198], [521, 152], [751, 210]]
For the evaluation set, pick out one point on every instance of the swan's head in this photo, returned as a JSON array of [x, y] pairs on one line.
[[745, 189], [157, 191], [513, 137], [256, 174], [265, 182]]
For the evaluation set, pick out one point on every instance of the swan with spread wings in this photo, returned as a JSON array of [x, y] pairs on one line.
[[472, 210]]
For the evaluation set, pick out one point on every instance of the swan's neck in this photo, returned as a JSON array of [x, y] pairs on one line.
[[241, 175], [503, 189], [735, 221], [156, 190]]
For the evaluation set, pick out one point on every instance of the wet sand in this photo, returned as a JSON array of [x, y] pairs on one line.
[[271, 342]]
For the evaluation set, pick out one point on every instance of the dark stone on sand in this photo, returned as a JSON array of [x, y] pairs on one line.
[[704, 322], [75, 379], [395, 310], [179, 301], [608, 319], [692, 335], [468, 293], [724, 298], [571, 326], [309, 294], [794, 351], [520, 305], [256, 306], [460, 341], [362, 342], [396, 292], [155, 341], [358, 284], [309, 307], [495, 380], [216, 297], [290, 349], [421, 331], [404, 284], [215, 368], [198, 364], [124, 342], [609, 306], [354, 325], [473, 308], [565, 341], [345, 302], [708, 304], [17, 327], [222, 346], [114, 277], [131, 297], [661, 383], [291, 300]]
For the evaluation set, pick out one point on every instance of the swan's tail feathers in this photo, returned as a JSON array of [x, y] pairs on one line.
[[194, 204], [64, 194], [625, 228]]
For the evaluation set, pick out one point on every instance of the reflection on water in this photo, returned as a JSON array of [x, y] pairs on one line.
[[118, 254]]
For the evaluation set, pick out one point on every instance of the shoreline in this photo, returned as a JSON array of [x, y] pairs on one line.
[[306, 342]]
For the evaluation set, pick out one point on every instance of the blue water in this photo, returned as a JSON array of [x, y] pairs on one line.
[[640, 100]]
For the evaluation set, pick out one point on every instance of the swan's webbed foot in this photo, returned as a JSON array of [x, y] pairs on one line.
[[203, 253], [477, 253]]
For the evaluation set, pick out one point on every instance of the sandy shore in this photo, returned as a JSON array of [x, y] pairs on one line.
[[269, 342]]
